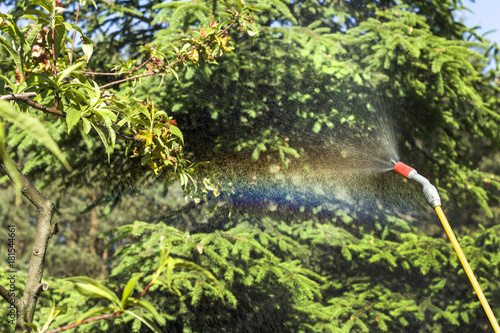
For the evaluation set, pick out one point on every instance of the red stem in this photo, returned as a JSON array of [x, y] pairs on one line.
[[229, 26], [74, 35], [145, 289], [95, 73], [56, 104], [144, 63], [67, 327], [54, 52]]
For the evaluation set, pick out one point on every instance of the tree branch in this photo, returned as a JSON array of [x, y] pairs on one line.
[[43, 287], [33, 287], [25, 97], [12, 97], [4, 292]]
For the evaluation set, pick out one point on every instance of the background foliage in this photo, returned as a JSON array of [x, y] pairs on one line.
[[272, 108]]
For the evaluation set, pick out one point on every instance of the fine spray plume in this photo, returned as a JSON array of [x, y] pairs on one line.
[[432, 196]]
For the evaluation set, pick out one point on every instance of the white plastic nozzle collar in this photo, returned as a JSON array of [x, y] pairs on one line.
[[430, 191]]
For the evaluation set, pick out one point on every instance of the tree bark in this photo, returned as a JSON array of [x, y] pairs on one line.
[[44, 229]]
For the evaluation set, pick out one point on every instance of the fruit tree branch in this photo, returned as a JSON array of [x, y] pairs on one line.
[[44, 230]]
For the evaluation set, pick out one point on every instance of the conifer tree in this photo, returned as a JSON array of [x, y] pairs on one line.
[[254, 261]]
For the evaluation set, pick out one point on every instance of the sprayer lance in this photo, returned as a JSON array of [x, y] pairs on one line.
[[430, 191], [432, 196]]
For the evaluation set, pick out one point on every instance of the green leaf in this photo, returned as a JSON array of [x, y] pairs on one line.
[[60, 37], [31, 38], [11, 29], [33, 326], [84, 2], [13, 54], [35, 128], [68, 71], [252, 33], [104, 139], [317, 127], [177, 132], [45, 4], [346, 253], [87, 48], [168, 274], [53, 313], [129, 288], [87, 125], [151, 309], [72, 118], [112, 135], [94, 311], [145, 320], [93, 289], [175, 74], [6, 80], [33, 14]]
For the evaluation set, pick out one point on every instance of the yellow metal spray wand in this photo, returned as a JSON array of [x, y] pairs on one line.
[[434, 200]]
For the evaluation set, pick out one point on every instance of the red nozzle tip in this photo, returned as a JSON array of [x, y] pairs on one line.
[[403, 169]]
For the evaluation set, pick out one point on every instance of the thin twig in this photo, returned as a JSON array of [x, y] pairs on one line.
[[142, 75], [229, 26], [54, 52], [74, 35], [56, 104], [67, 327], [116, 74], [125, 80], [96, 73], [139, 67], [145, 289]]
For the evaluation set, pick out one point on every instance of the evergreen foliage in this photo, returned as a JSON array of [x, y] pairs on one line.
[[301, 73]]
